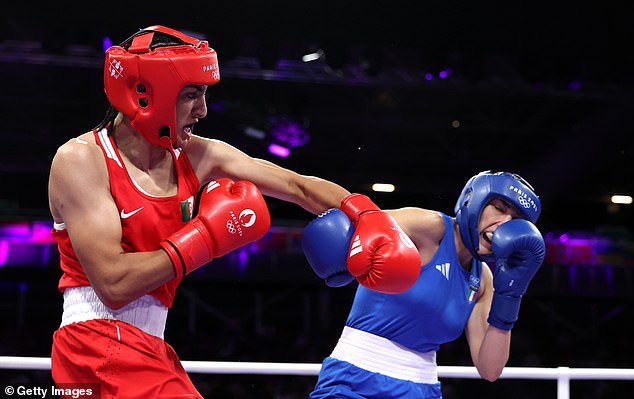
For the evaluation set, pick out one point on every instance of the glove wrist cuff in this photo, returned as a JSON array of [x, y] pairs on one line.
[[189, 248], [354, 205], [175, 257], [504, 311]]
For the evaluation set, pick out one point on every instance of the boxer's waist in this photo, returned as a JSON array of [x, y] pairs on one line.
[[146, 313], [380, 355]]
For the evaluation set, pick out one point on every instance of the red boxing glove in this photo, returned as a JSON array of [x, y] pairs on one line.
[[230, 215], [381, 256]]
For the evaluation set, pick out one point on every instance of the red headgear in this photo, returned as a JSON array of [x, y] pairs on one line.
[[143, 82]]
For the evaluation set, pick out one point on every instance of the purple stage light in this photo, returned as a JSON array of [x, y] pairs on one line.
[[588, 249], [26, 243], [445, 73], [288, 132], [4, 252], [278, 150], [106, 43], [243, 259], [574, 85], [19, 230], [27, 232]]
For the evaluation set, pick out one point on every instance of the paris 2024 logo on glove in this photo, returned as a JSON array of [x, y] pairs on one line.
[[246, 218]]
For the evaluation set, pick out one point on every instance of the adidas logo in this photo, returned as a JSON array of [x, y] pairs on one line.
[[356, 247], [212, 184], [444, 269]]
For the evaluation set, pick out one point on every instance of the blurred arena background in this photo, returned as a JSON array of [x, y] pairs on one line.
[[421, 96]]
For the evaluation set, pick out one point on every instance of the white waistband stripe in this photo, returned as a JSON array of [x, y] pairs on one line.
[[146, 313], [380, 355]]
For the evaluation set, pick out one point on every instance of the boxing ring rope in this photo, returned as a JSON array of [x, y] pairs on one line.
[[563, 375]]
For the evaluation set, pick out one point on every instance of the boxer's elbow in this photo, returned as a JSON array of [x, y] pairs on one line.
[[490, 374]]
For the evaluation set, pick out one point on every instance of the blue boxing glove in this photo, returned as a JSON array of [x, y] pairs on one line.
[[325, 241], [519, 251]]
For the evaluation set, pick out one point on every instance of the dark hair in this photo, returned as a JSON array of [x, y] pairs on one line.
[[159, 39], [106, 122]]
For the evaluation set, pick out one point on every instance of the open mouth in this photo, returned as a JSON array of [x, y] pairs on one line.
[[188, 130], [487, 236]]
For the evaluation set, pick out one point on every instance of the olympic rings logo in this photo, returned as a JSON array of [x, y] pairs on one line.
[[246, 218], [231, 228], [523, 202]]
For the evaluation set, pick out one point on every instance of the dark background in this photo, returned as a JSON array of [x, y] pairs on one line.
[[543, 90]]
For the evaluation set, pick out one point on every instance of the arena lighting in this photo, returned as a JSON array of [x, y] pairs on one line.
[[286, 134], [254, 132], [445, 73], [279, 150], [621, 199], [4, 252], [319, 54], [383, 187], [25, 243], [442, 74], [106, 43], [588, 249]]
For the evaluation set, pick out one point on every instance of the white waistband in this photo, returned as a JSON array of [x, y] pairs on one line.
[[380, 355], [146, 313]]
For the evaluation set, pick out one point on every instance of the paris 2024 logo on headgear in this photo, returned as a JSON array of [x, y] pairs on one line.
[[116, 69]]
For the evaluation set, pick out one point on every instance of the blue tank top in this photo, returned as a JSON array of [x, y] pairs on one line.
[[434, 311]]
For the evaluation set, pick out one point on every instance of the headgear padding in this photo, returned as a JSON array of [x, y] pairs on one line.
[[483, 187], [143, 81]]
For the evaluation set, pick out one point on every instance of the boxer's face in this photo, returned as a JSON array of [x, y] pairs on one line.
[[495, 213], [191, 106]]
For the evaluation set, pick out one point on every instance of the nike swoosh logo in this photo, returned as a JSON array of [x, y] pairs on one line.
[[125, 215]]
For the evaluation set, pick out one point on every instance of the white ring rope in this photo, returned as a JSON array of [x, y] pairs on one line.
[[212, 367], [563, 375]]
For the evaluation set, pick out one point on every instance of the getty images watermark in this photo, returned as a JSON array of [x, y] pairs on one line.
[[75, 391]]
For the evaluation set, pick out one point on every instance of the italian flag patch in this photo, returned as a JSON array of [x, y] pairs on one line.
[[472, 294]]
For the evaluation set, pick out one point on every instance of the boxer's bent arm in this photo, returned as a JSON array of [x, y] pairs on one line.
[[489, 346], [79, 197]]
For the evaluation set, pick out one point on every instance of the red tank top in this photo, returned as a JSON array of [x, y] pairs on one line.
[[145, 220]]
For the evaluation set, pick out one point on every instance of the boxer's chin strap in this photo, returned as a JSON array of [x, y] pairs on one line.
[[165, 138]]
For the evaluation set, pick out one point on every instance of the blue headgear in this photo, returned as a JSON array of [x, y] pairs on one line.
[[483, 187]]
